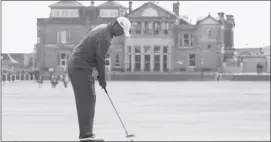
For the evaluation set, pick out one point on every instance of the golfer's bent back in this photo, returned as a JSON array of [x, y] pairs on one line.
[[88, 54]]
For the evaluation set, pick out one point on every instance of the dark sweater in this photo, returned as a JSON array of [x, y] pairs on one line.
[[92, 49]]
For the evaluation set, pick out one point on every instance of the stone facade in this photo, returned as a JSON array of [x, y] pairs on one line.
[[162, 41]]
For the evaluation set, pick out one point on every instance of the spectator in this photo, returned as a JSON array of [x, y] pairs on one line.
[[258, 66]]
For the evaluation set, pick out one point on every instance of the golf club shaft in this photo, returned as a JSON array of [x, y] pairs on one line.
[[116, 111]]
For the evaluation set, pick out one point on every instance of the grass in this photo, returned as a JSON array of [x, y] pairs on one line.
[[150, 110]]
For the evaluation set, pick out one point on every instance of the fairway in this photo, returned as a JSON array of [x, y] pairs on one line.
[[150, 110]]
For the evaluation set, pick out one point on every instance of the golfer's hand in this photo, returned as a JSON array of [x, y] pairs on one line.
[[102, 81]]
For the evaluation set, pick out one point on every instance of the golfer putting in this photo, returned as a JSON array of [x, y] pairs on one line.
[[89, 54]]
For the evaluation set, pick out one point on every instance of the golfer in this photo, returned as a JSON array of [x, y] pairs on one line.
[[89, 54]]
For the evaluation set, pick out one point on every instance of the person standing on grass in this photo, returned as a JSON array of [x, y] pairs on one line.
[[88, 54], [65, 80]]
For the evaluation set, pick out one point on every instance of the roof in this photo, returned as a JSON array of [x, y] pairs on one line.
[[154, 4], [184, 18], [14, 58], [11, 58], [209, 16], [162, 8], [63, 3], [111, 4]]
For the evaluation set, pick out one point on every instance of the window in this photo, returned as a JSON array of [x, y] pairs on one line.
[[107, 60], [165, 62], [108, 13], [191, 40], [166, 28], [156, 62], [165, 49], [146, 25], [113, 14], [117, 62], [137, 58], [156, 27], [103, 14], [64, 13], [133, 27], [63, 37], [56, 13], [147, 65], [137, 50], [209, 46], [147, 58], [138, 28], [129, 58], [156, 49], [62, 59], [181, 41], [71, 14], [192, 60], [137, 62], [186, 40], [147, 50], [129, 62]]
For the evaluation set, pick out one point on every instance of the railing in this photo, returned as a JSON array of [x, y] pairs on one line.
[[8, 78], [150, 32]]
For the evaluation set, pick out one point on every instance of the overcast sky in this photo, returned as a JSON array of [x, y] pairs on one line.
[[252, 20]]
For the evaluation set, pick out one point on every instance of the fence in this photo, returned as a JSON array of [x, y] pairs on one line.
[[17, 77]]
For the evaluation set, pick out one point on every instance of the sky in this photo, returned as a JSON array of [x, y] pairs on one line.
[[252, 19]]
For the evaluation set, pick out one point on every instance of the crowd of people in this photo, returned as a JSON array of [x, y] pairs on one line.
[[61, 78], [9, 76]]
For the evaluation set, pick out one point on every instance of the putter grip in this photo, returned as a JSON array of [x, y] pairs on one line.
[[105, 90]]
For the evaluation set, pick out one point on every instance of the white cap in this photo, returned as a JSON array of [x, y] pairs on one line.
[[125, 24]]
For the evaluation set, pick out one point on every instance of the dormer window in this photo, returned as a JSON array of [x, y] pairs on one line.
[[108, 13], [65, 13]]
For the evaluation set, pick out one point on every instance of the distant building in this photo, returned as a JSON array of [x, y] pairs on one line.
[[204, 46], [250, 57], [161, 40]]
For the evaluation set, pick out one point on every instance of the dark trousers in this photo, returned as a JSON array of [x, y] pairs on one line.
[[85, 98]]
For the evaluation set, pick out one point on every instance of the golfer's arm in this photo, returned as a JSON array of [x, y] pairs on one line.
[[103, 45]]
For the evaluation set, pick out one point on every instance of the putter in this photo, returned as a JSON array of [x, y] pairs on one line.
[[127, 134]]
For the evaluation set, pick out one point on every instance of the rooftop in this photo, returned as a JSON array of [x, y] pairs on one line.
[[64, 3], [111, 4]]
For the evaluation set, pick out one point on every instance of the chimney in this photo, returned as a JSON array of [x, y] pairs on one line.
[[229, 17], [130, 6], [176, 8], [221, 16], [92, 3]]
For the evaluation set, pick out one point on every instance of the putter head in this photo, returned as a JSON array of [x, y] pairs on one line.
[[129, 136]]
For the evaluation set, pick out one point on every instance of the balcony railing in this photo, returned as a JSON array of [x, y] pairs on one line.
[[150, 32]]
